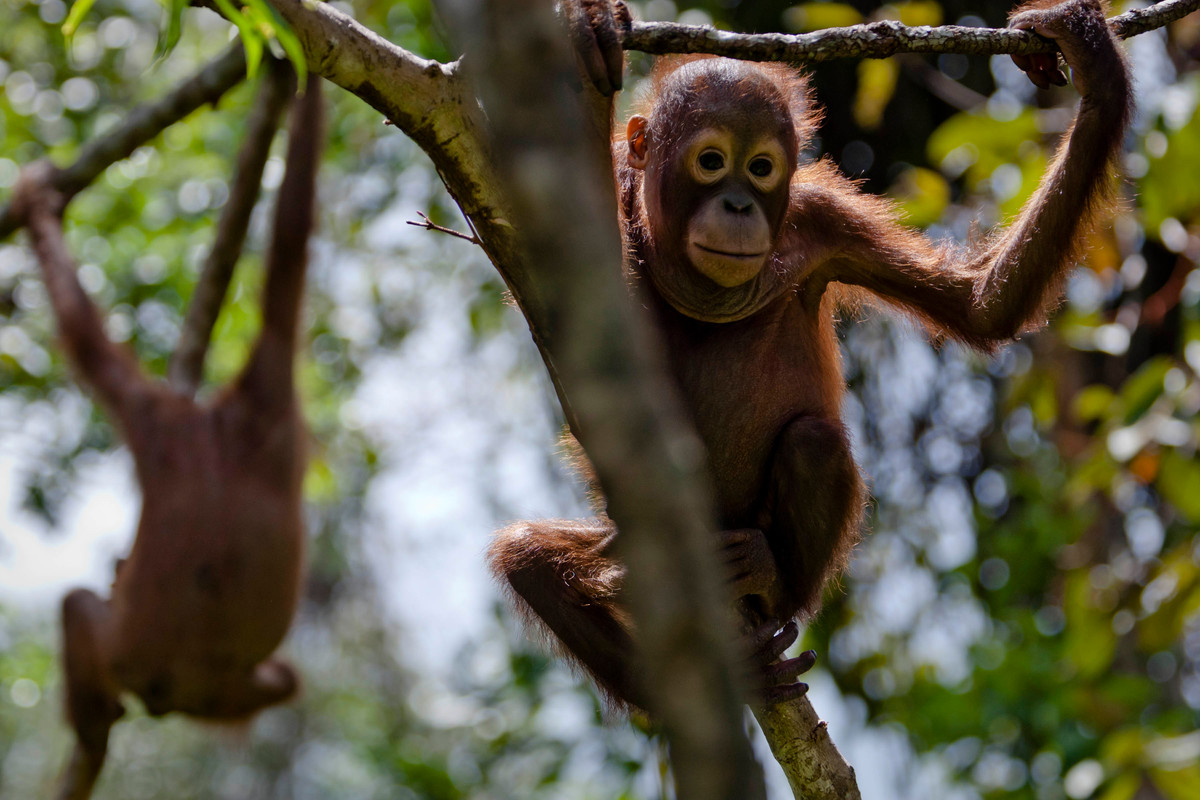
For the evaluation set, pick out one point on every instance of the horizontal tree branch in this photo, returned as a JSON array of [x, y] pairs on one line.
[[876, 39], [142, 124]]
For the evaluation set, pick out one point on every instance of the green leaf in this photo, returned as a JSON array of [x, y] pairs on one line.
[[170, 35], [487, 311], [78, 11], [1123, 787], [1043, 400], [1179, 482], [1093, 403], [1162, 629], [1090, 642], [251, 39], [285, 36], [1169, 188], [1178, 784], [986, 143], [815, 16], [1143, 387]]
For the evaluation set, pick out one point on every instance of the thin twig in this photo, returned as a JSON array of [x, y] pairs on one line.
[[187, 362], [429, 225], [876, 39], [142, 124]]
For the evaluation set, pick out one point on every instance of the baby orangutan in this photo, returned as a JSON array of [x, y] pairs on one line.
[[732, 244], [209, 589]]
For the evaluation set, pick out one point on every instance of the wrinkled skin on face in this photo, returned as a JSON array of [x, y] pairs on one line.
[[717, 153], [729, 235]]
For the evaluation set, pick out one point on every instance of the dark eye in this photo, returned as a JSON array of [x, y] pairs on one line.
[[711, 161], [761, 167]]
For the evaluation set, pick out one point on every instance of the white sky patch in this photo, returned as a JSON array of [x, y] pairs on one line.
[[38, 565]]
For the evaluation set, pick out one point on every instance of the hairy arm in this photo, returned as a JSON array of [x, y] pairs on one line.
[[596, 28], [268, 375], [988, 292], [107, 368]]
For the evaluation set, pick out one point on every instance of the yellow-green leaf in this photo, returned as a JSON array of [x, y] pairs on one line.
[[977, 144], [1092, 403], [251, 39], [919, 13], [1179, 482], [1124, 747], [1178, 784], [922, 194], [320, 482], [78, 11], [876, 85], [285, 36], [815, 16], [1123, 787], [173, 30]]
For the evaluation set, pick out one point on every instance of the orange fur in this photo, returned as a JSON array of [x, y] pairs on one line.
[[209, 589], [756, 361]]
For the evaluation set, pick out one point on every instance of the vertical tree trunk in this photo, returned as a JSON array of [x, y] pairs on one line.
[[556, 174]]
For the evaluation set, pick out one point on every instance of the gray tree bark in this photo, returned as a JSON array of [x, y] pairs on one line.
[[876, 39], [623, 406]]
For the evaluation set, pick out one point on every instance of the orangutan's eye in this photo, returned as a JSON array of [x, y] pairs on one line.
[[711, 161], [761, 167]]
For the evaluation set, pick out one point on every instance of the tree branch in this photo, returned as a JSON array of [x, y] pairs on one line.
[[800, 742], [187, 362], [409, 90], [141, 125], [875, 39], [1142, 20], [626, 412], [429, 225], [427, 100]]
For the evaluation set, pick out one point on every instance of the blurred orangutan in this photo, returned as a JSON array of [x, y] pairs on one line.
[[209, 589]]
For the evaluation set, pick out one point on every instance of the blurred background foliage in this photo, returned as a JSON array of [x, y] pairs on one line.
[[1022, 621]]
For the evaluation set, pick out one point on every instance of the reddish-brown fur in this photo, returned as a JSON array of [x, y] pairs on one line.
[[209, 589], [757, 362]]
